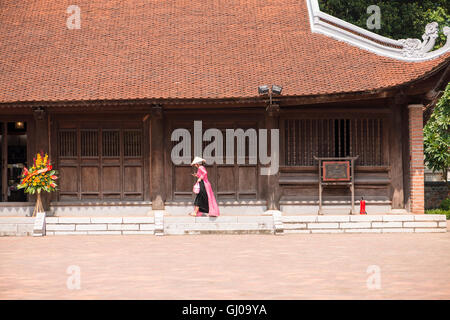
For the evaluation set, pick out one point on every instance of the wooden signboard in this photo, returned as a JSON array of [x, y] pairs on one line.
[[336, 170]]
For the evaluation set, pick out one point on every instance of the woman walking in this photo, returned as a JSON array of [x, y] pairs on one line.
[[205, 202]]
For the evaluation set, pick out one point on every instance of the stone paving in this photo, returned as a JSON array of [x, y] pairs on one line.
[[300, 266]]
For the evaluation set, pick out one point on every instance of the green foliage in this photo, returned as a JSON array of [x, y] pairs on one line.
[[437, 136], [445, 204], [400, 19], [439, 211]]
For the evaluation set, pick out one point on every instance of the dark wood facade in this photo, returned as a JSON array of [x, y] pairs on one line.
[[120, 151], [123, 153]]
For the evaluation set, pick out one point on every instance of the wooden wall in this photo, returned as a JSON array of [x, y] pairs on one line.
[[147, 172]]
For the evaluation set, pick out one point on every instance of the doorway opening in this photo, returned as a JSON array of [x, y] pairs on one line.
[[13, 157]]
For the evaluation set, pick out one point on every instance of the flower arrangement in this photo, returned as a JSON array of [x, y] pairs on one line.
[[39, 177]]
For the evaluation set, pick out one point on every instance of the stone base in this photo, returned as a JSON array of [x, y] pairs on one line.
[[273, 222], [16, 226]]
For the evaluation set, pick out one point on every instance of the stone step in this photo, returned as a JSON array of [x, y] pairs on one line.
[[242, 224], [255, 224]]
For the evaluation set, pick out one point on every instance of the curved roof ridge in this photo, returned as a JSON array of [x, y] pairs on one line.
[[411, 50]]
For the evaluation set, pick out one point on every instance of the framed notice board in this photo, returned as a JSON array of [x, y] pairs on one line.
[[337, 171]]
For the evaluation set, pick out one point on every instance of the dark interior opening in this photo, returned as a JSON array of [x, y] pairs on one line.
[[13, 159]]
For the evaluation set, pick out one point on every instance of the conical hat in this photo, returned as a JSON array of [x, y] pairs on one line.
[[197, 160]]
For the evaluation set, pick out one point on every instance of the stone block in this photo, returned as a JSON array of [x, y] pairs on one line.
[[295, 219], [291, 226], [398, 230], [399, 217], [390, 224], [69, 233], [138, 220], [9, 220], [429, 217], [123, 226], [60, 227], [366, 217], [333, 218], [147, 226], [173, 219], [25, 228], [296, 231], [430, 230], [362, 230], [51, 219], [442, 224], [8, 227], [327, 231], [105, 232], [92, 227], [106, 220], [257, 219], [424, 224], [323, 225], [137, 232], [74, 220], [355, 225], [226, 219]]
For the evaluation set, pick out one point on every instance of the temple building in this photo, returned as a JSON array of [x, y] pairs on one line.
[[102, 86]]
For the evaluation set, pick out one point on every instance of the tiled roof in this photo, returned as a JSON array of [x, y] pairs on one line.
[[139, 49]]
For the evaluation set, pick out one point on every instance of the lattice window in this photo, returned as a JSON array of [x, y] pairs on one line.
[[306, 138], [67, 140], [132, 143], [89, 143], [111, 143]]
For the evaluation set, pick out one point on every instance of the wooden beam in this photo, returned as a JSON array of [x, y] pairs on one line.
[[42, 143], [157, 181], [396, 157], [273, 186]]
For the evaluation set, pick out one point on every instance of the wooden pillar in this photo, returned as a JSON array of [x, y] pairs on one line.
[[396, 157], [42, 143], [416, 165], [157, 181], [273, 186], [4, 164]]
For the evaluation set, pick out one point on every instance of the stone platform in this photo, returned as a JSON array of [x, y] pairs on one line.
[[275, 223]]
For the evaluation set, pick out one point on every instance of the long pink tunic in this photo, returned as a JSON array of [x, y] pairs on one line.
[[212, 203]]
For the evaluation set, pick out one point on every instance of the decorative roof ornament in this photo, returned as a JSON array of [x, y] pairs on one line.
[[416, 48], [412, 50]]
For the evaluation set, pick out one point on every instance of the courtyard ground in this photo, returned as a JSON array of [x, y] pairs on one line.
[[310, 266]]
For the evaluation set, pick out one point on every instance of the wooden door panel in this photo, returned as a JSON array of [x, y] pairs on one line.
[[247, 179], [111, 179], [229, 182], [183, 180], [106, 157], [133, 179], [226, 179], [248, 183], [68, 179], [89, 179]]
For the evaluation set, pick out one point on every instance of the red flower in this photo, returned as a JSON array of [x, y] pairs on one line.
[[52, 185], [54, 177], [49, 167]]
